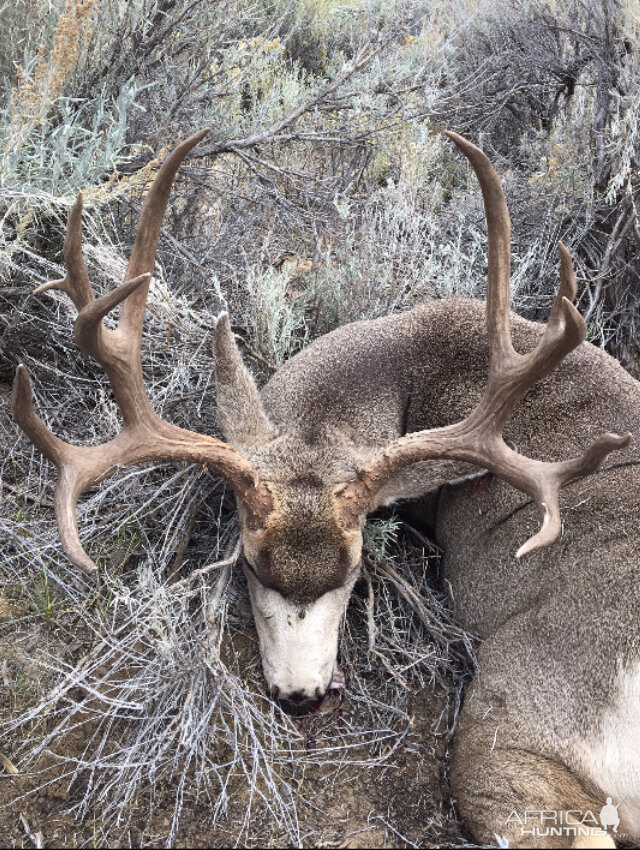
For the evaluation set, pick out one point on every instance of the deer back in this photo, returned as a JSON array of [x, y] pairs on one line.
[[476, 521]]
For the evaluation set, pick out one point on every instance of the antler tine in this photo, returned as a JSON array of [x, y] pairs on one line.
[[61, 454], [145, 436], [510, 373], [510, 376], [118, 351], [478, 438], [88, 330], [499, 253], [555, 476], [148, 232], [76, 282], [24, 414]]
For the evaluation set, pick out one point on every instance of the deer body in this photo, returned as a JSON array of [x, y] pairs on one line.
[[555, 696], [552, 720], [393, 408]]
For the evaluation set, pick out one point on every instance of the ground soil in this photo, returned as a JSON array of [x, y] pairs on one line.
[[404, 803]]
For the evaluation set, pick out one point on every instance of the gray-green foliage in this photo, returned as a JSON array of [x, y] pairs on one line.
[[357, 208], [361, 186], [76, 144]]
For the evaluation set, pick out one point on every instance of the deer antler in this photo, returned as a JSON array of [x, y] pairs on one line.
[[478, 438], [144, 436]]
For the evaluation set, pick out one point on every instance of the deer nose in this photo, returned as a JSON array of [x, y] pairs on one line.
[[298, 703]]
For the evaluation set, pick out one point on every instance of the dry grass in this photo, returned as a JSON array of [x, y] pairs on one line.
[[157, 701]]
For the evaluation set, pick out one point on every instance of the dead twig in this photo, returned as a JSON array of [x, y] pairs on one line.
[[36, 838], [39, 501], [364, 56], [256, 354], [225, 562]]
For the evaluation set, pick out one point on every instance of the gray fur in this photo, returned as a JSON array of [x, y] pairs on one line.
[[560, 626], [242, 418]]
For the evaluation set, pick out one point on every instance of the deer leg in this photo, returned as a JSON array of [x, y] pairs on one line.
[[508, 791]]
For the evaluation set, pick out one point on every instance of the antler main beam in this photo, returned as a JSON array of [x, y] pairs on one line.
[[144, 436], [478, 438]]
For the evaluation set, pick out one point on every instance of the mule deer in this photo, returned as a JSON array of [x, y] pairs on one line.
[[361, 418]]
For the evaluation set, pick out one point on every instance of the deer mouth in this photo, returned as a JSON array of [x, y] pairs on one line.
[[302, 708]]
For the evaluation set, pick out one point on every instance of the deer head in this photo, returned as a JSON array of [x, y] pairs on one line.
[[302, 502]]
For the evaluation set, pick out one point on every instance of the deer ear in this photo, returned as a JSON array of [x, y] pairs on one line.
[[242, 418], [422, 477], [412, 482]]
